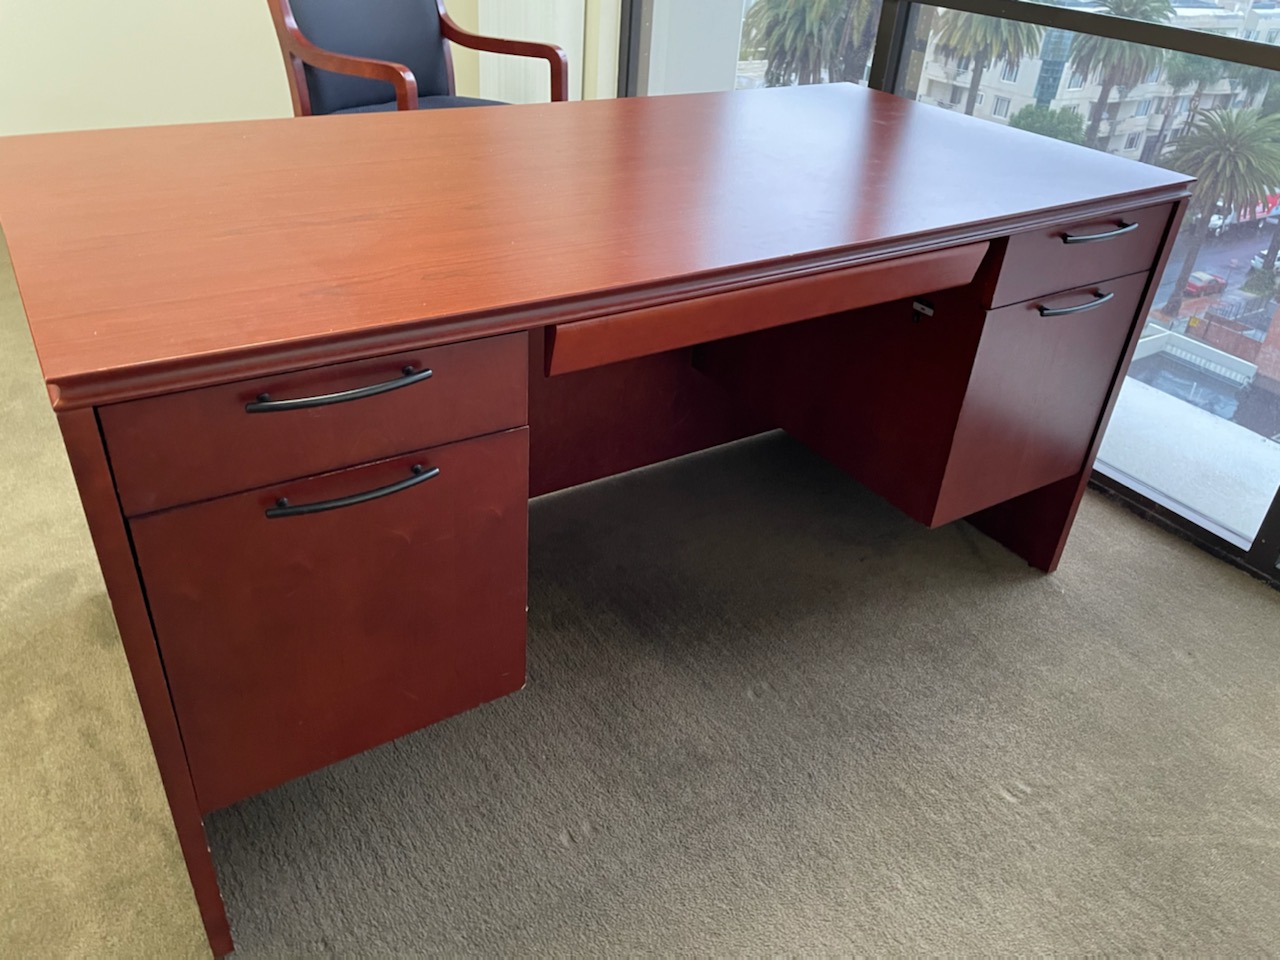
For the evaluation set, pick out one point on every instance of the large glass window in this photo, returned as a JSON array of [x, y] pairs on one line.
[[1197, 424], [1198, 421]]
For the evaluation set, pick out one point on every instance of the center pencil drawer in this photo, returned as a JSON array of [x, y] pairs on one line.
[[185, 447]]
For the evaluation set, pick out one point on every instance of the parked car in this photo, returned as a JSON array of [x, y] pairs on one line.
[[1258, 261], [1201, 284]]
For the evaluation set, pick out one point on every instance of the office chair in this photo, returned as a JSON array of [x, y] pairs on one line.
[[330, 47]]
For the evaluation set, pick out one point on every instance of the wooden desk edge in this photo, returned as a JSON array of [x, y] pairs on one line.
[[113, 385]]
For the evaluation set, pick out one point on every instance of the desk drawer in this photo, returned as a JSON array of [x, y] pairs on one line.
[[292, 642], [1035, 394], [948, 415], [192, 446], [1044, 261], [684, 323]]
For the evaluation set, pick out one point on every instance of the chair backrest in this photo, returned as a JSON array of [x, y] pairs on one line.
[[402, 31]]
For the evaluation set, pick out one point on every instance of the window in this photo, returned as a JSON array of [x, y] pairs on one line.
[[1273, 36], [957, 95], [1076, 82], [982, 98], [1072, 108], [1133, 141], [1001, 107], [1010, 72], [1142, 109]]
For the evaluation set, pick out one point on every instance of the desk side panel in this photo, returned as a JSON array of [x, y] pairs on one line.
[[93, 478], [1036, 525], [599, 422]]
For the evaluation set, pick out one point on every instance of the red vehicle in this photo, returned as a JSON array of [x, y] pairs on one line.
[[1201, 284]]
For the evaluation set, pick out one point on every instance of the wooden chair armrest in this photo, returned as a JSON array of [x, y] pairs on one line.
[[555, 57], [396, 74]]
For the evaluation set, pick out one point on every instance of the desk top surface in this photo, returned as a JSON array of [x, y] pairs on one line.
[[159, 249]]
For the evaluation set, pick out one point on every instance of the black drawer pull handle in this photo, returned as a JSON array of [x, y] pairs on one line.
[[283, 508], [264, 403], [1098, 300], [1094, 237]]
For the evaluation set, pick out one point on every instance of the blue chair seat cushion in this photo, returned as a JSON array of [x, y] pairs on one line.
[[425, 103]]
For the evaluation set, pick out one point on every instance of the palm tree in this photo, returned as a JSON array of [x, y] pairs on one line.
[[1117, 63], [1182, 70], [1235, 156], [810, 41], [985, 41]]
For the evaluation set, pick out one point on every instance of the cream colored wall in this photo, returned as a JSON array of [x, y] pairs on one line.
[[81, 64], [587, 30], [77, 64]]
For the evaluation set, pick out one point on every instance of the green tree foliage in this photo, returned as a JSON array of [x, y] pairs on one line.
[[1117, 63], [1060, 124], [810, 41], [1235, 157], [985, 41]]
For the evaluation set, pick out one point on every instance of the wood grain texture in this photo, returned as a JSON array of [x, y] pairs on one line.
[[246, 241], [1036, 525], [945, 415], [111, 542], [592, 343], [1035, 393], [873, 391], [606, 420], [294, 642], [202, 443], [1039, 263]]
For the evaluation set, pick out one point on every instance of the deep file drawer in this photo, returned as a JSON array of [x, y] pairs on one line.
[[291, 642], [184, 447], [948, 415]]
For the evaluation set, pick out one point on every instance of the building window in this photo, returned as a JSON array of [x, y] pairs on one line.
[[981, 99], [1072, 108], [1001, 107], [1273, 36], [1133, 141], [1010, 72], [1076, 81], [1143, 109], [957, 96]]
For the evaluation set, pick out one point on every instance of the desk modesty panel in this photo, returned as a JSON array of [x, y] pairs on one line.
[[310, 371]]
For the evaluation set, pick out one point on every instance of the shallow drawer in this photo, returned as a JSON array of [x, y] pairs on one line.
[[684, 323], [293, 641], [1086, 251], [191, 446]]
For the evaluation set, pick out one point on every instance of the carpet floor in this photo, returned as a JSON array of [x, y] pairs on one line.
[[765, 714]]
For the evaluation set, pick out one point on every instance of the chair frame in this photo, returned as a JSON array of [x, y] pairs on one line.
[[298, 50]]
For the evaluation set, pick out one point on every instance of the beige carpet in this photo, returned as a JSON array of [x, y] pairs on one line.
[[765, 714], [91, 866]]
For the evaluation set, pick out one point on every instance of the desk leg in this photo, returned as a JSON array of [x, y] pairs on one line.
[[106, 526], [1035, 525]]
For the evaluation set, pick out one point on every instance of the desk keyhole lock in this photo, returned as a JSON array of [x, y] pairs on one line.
[[920, 309]]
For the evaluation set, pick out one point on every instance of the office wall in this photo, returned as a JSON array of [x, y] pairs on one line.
[[82, 64], [78, 64]]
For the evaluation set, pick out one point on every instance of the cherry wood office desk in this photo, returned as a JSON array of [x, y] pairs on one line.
[[310, 371]]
